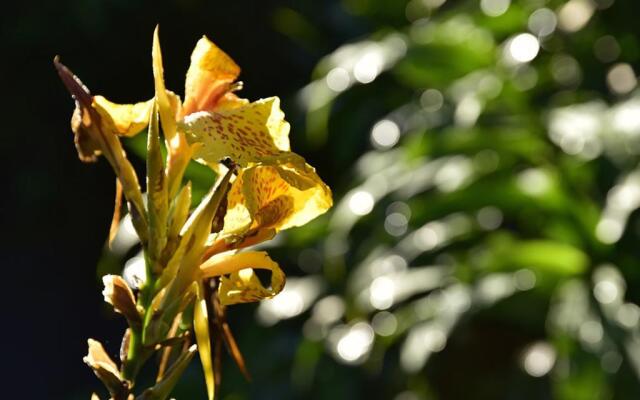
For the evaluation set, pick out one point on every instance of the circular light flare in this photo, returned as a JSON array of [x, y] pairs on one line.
[[338, 79], [538, 359], [621, 78], [356, 343], [385, 134], [607, 49], [434, 340], [628, 315], [287, 304], [542, 22], [431, 100], [367, 69], [591, 332], [524, 279], [534, 181], [489, 218], [361, 202], [384, 323], [382, 293], [575, 14], [523, 47], [609, 230], [396, 224], [494, 8], [429, 236]]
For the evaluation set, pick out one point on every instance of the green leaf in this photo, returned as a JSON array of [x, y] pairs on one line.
[[156, 191], [163, 389]]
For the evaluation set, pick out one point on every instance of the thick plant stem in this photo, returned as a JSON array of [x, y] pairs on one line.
[[137, 353], [134, 358]]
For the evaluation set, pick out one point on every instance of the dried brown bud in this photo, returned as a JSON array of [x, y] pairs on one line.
[[117, 293], [106, 370]]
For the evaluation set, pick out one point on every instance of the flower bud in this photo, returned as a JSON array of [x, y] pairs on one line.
[[105, 369], [117, 293]]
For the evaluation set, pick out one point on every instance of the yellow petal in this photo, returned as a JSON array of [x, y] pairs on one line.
[[242, 285], [244, 133], [209, 76], [167, 106], [128, 119], [201, 327], [276, 196], [230, 101]]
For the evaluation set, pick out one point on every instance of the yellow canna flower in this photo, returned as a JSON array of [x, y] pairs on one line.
[[275, 188], [266, 188]]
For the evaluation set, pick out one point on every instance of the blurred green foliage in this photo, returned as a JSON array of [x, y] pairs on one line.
[[483, 156]]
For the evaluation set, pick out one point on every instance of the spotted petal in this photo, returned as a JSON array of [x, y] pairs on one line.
[[277, 196], [243, 132]]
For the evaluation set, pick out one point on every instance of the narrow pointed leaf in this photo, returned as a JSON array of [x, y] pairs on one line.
[[179, 151], [201, 327], [156, 190], [163, 389], [183, 268], [115, 220], [162, 98]]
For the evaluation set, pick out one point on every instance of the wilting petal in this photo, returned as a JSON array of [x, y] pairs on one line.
[[244, 133], [105, 369], [86, 144], [95, 134], [128, 119], [242, 284], [276, 196], [209, 77], [117, 293]]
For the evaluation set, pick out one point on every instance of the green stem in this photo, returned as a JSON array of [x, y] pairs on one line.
[[135, 357], [137, 353]]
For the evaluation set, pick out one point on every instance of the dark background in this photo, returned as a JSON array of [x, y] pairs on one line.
[[55, 211]]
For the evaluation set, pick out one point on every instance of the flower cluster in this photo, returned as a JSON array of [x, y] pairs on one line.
[[197, 261]]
